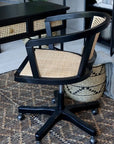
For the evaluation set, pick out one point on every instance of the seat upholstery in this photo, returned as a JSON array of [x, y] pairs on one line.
[[55, 64]]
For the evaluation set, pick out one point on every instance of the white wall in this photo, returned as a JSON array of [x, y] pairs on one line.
[[75, 5]]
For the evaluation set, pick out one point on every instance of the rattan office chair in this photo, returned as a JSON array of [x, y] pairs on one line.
[[56, 67]]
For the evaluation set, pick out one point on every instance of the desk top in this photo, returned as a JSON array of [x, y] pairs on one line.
[[29, 9]]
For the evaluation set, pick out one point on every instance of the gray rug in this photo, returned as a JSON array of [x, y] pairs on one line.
[[12, 55]]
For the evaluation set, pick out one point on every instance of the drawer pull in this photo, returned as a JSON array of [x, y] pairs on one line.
[[11, 30]]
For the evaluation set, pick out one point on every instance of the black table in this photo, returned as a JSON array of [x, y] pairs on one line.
[[24, 20]]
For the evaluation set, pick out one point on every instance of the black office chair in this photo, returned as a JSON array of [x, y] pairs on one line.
[[56, 67]]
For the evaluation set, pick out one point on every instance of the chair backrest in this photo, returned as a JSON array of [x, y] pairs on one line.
[[96, 21], [99, 23], [90, 34]]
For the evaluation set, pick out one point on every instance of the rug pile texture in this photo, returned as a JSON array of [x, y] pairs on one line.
[[12, 131]]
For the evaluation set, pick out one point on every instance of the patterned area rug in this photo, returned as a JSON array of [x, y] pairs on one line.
[[12, 131]]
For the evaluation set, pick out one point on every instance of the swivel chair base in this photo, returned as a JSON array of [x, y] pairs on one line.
[[58, 113]]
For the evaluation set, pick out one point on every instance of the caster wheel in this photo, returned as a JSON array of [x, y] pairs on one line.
[[20, 117], [38, 142], [92, 140], [95, 111], [53, 101]]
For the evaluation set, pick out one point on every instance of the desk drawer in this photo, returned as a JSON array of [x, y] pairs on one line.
[[11, 30], [40, 24]]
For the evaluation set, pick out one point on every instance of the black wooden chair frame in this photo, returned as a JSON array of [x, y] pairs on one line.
[[61, 111]]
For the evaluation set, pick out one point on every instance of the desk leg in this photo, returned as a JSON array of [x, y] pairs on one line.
[[64, 2], [39, 37], [63, 31], [0, 49], [112, 34]]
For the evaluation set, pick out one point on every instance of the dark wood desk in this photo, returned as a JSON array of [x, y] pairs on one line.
[[24, 20]]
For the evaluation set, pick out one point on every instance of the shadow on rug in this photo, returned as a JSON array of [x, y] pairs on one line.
[[12, 131]]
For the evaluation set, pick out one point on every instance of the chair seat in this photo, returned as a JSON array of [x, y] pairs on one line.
[[54, 64]]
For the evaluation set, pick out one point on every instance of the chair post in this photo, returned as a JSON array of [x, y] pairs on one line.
[[60, 100], [60, 89]]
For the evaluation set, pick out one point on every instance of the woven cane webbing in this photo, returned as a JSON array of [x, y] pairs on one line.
[[40, 24], [56, 23], [96, 21], [14, 29], [54, 64]]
